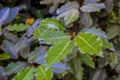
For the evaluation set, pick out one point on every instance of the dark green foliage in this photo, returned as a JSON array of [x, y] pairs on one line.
[[71, 40]]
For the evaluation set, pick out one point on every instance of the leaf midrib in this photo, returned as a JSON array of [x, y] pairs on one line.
[[87, 43], [61, 51], [28, 73], [43, 73]]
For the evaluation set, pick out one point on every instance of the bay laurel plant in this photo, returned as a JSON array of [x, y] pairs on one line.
[[68, 42]]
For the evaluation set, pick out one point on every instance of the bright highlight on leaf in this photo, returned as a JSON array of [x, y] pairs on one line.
[[44, 73], [52, 23], [70, 15], [50, 35], [89, 43]]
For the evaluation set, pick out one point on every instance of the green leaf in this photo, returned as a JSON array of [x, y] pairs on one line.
[[4, 56], [52, 23], [59, 51], [86, 19], [113, 59], [17, 27], [113, 31], [89, 43], [25, 74], [43, 73], [70, 15], [49, 35], [77, 69], [86, 59], [96, 31], [107, 44], [14, 68]]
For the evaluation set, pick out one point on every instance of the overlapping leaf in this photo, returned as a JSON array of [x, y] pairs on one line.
[[60, 68], [9, 48], [102, 35], [8, 14], [96, 31], [67, 6], [12, 14], [92, 7], [113, 31], [89, 43], [86, 59], [38, 55], [52, 23], [77, 69], [22, 46], [25, 74], [86, 19], [107, 44], [59, 51], [49, 35], [14, 68], [44, 73], [33, 27], [70, 15], [10, 36]]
